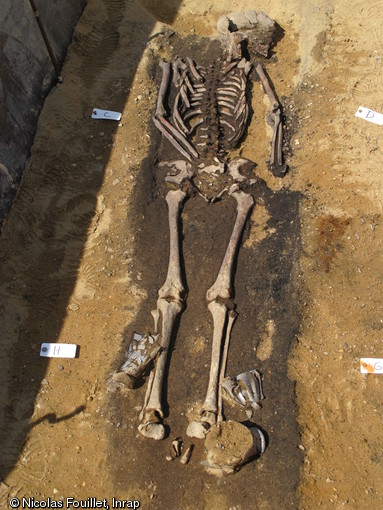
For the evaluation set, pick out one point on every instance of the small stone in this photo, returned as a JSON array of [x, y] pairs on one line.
[[60, 367]]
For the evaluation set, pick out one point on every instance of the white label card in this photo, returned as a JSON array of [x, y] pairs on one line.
[[58, 350], [371, 365], [105, 114], [370, 115]]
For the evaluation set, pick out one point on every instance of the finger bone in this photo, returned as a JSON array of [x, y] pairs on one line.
[[187, 454], [176, 447]]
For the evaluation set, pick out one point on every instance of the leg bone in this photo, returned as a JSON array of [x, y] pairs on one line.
[[218, 311], [170, 304], [230, 321], [222, 286], [216, 295]]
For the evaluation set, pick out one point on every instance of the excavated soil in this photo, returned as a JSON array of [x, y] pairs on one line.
[[85, 250]]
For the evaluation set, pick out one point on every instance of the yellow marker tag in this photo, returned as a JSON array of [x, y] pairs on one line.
[[371, 365]]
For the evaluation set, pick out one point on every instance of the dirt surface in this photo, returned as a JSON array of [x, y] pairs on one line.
[[86, 245]]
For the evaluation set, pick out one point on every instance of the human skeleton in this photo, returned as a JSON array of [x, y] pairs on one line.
[[203, 113]]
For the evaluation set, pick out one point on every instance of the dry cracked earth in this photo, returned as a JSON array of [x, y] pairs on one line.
[[85, 250]]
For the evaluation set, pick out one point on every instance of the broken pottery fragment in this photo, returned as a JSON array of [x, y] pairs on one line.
[[244, 389], [229, 445], [142, 350]]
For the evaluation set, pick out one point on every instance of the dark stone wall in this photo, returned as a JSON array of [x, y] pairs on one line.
[[26, 77]]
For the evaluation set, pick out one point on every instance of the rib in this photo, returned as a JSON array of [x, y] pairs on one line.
[[171, 139], [224, 103], [196, 75], [184, 95], [192, 113], [224, 123], [177, 117], [195, 125], [179, 136]]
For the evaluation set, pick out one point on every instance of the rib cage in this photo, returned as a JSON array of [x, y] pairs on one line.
[[207, 108]]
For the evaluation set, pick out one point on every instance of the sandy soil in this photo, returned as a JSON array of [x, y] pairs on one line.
[[85, 250]]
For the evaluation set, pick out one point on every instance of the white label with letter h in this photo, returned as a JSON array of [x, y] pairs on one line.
[[58, 350]]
